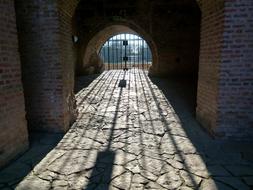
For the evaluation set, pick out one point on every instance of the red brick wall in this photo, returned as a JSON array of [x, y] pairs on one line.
[[13, 129], [46, 64], [66, 11], [225, 87], [209, 63], [235, 100]]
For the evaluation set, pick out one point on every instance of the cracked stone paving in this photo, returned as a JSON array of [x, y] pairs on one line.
[[131, 133]]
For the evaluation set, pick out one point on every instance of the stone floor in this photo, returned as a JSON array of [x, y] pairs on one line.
[[134, 133]]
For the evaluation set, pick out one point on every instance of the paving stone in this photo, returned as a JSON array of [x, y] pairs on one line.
[[90, 186], [71, 166], [218, 170], [60, 188], [104, 186], [248, 181], [168, 146], [116, 171], [6, 188], [77, 181], [156, 154], [150, 140], [167, 168], [154, 127], [16, 171], [148, 175], [134, 148], [220, 157], [210, 184], [48, 175], [233, 182], [133, 166], [240, 170], [122, 158], [59, 183], [190, 179], [36, 153], [139, 179], [51, 157], [248, 156], [32, 182], [186, 147], [170, 180], [117, 145], [153, 185], [130, 138], [136, 186], [185, 188], [13, 183], [195, 164], [123, 181], [175, 128], [150, 164], [174, 163]]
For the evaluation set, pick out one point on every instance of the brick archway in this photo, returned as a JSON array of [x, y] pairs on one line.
[[96, 42], [224, 102]]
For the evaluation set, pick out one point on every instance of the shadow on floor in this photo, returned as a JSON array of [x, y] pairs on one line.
[[102, 171], [225, 160], [84, 81], [40, 145], [179, 91], [144, 131]]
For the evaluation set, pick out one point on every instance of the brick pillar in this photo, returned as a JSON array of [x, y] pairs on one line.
[[13, 129], [68, 55], [209, 62], [48, 64], [224, 103], [235, 100]]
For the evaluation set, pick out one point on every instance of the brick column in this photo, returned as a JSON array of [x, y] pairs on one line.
[[13, 129], [209, 63], [224, 104], [235, 100], [47, 57]]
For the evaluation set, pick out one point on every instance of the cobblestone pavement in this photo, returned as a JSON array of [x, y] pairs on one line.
[[132, 135]]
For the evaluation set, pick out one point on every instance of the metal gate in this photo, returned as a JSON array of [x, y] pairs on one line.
[[126, 51]]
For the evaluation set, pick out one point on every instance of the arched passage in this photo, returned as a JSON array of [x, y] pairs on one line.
[[92, 48], [45, 28], [171, 28], [126, 51]]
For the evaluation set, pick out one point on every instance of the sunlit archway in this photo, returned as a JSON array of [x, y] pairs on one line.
[[139, 48], [126, 51]]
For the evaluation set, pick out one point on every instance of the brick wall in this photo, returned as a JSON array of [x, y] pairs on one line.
[[66, 11], [225, 88], [46, 64], [13, 129], [210, 57], [235, 100]]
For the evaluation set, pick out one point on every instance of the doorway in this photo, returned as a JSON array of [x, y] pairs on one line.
[[126, 51]]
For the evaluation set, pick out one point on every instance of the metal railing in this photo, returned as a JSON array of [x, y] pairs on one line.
[[126, 51]]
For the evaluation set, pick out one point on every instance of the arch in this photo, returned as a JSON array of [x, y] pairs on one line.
[[103, 33], [126, 51]]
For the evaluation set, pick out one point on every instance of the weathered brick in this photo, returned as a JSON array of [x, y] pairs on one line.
[[13, 135], [229, 60], [47, 56]]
